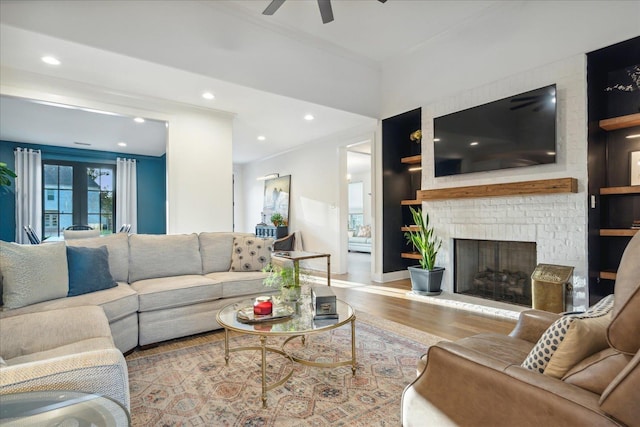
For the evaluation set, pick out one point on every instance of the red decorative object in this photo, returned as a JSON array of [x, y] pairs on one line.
[[262, 306]]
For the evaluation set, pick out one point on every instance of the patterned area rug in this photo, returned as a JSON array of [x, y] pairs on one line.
[[186, 382]]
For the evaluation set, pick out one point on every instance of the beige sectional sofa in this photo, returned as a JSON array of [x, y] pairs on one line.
[[168, 286], [163, 287]]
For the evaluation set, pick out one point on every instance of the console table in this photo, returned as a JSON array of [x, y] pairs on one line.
[[264, 230]]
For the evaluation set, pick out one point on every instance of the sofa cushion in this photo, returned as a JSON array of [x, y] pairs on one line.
[[117, 303], [549, 343], [46, 330], [88, 270], [33, 273], [166, 292], [597, 371], [118, 246], [154, 256], [250, 253], [241, 283], [215, 250]]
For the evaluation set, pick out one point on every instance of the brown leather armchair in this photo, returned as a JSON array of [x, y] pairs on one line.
[[479, 381]]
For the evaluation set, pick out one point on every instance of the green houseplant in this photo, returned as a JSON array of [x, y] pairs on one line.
[[283, 277], [5, 175], [426, 279], [277, 219]]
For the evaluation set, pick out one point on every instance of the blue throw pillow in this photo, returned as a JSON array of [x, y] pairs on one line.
[[88, 270]]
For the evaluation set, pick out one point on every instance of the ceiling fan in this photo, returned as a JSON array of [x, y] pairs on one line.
[[325, 9]]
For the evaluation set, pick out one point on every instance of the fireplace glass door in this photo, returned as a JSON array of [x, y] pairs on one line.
[[496, 270]]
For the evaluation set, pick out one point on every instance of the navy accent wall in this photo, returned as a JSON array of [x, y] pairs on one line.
[[151, 171]]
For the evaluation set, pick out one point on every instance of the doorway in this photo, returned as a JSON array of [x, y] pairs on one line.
[[359, 223]]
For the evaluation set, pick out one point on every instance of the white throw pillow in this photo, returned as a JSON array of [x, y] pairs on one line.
[[33, 273]]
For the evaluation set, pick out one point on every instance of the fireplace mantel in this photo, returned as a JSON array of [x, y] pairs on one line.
[[543, 186]]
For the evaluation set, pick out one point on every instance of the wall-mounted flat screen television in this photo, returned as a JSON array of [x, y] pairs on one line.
[[508, 133]]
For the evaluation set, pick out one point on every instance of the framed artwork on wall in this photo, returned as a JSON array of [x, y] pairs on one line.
[[276, 197], [635, 168]]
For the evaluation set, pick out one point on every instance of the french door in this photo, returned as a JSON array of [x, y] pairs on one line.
[[77, 193]]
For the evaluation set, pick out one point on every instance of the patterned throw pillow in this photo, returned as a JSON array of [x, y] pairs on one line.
[[250, 253], [548, 344]]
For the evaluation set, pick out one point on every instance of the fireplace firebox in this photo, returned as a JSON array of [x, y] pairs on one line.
[[495, 270]]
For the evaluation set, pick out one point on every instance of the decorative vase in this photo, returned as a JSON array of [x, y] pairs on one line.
[[426, 282], [290, 294]]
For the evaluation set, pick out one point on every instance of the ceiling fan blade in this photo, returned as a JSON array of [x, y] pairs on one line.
[[325, 11], [273, 6]]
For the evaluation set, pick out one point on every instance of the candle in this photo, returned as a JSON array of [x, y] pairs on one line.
[[262, 306]]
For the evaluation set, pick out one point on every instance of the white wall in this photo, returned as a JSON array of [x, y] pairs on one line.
[[199, 172], [318, 207]]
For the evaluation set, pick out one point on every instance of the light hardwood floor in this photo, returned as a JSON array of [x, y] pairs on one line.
[[388, 301]]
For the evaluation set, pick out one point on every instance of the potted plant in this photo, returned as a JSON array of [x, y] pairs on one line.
[[426, 278], [283, 277], [277, 219], [5, 175]]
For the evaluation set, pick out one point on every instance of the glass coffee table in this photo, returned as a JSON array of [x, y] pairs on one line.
[[298, 325]]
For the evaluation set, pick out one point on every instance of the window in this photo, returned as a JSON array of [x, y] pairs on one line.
[[78, 193], [356, 205]]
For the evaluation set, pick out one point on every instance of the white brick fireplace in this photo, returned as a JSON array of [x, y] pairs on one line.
[[557, 223]]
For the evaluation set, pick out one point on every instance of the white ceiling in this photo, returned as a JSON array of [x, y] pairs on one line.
[[266, 71], [143, 47]]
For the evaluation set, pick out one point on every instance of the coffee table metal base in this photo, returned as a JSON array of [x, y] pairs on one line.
[[264, 348]]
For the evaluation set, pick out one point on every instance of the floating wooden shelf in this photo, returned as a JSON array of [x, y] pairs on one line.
[[410, 202], [621, 122], [411, 228], [543, 186], [618, 232], [608, 275], [412, 160], [629, 189], [410, 255]]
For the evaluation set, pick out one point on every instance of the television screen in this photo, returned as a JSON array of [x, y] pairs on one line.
[[508, 133]]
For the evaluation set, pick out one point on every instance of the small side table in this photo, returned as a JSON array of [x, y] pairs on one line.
[[56, 407], [297, 256]]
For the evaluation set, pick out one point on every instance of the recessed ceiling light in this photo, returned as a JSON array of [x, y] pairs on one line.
[[208, 95], [436, 139], [262, 138], [551, 153], [122, 144], [309, 117], [50, 60], [633, 136], [138, 120], [474, 143]]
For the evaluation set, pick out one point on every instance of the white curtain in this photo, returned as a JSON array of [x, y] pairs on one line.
[[28, 192], [126, 194]]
